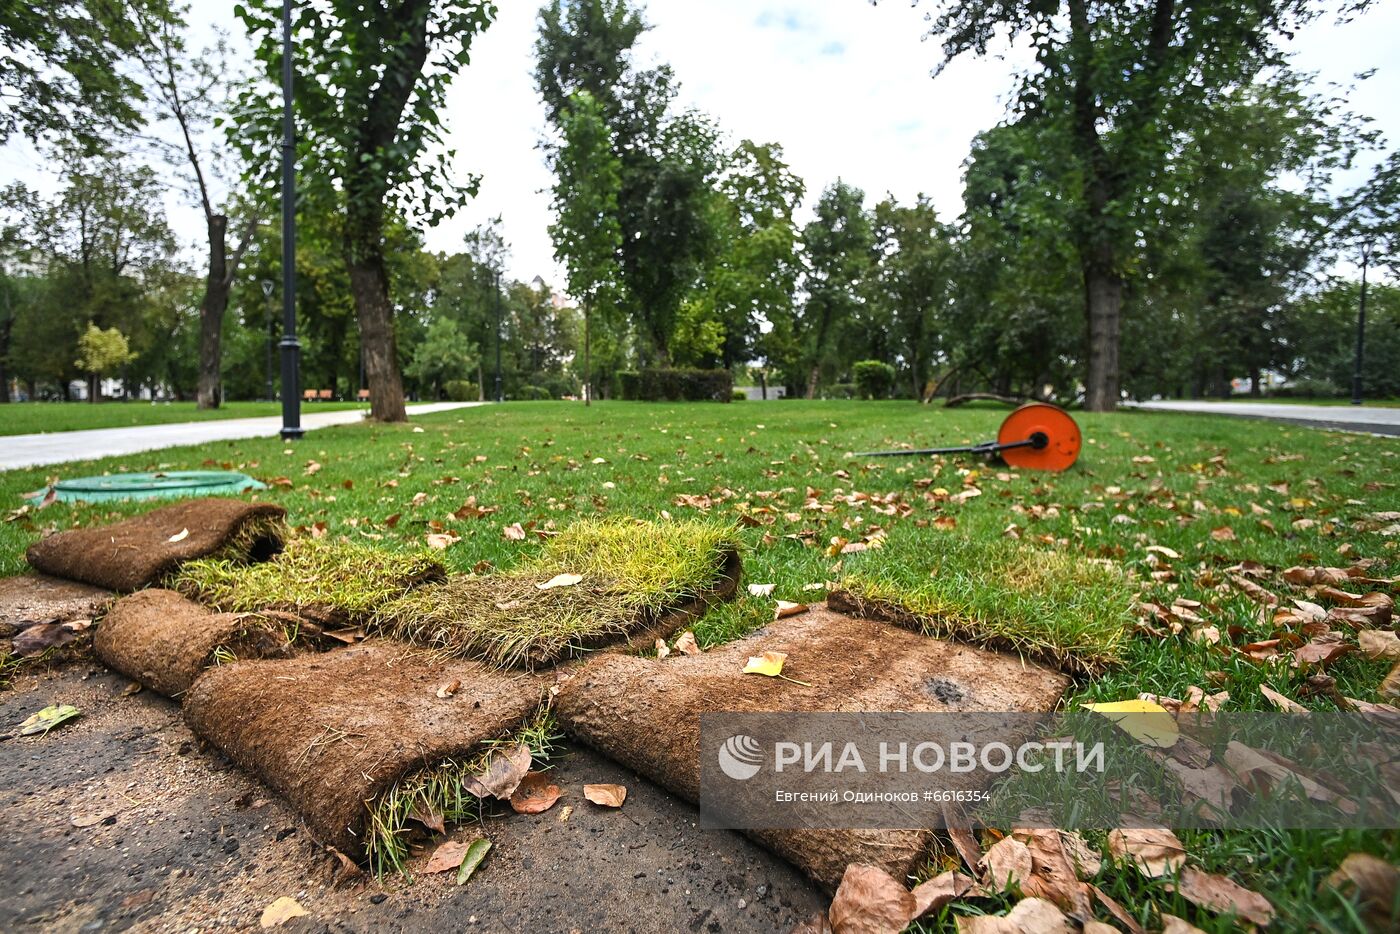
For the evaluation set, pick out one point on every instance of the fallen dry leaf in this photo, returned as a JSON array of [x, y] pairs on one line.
[[513, 532], [1120, 914], [1223, 534], [503, 773], [1287, 705], [761, 590], [661, 650], [785, 609], [442, 540], [535, 794], [1053, 875], [870, 901], [1007, 864], [561, 580], [179, 536], [1390, 687], [447, 690], [1372, 882], [1219, 894], [1171, 924], [769, 663], [609, 796], [1155, 852], [943, 888], [687, 645], [1030, 916], [1379, 643], [280, 912], [446, 857]]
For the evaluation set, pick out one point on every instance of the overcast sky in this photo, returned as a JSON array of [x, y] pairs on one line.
[[844, 87]]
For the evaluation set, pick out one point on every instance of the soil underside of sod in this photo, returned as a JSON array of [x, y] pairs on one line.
[[142, 550], [125, 818], [644, 712]]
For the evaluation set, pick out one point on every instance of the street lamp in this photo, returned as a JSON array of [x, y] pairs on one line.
[[500, 396], [267, 286], [1360, 326], [291, 349]]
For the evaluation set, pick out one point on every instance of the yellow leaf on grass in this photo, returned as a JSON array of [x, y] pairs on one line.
[[1145, 721], [561, 580]]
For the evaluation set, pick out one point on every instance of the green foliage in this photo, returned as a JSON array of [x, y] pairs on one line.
[[102, 350], [680, 385], [444, 355], [629, 385], [461, 390], [874, 378], [534, 394], [839, 243]]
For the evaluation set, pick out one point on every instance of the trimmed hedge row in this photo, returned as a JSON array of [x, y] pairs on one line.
[[668, 385]]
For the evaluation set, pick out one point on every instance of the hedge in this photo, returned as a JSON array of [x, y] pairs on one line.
[[676, 385]]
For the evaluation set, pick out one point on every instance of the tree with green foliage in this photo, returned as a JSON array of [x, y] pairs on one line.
[[913, 282], [61, 74], [586, 234], [101, 350], [370, 112], [839, 246], [186, 91], [444, 354], [1119, 82]]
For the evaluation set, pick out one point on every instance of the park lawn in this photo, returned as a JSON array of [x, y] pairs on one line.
[[23, 418], [1215, 491]]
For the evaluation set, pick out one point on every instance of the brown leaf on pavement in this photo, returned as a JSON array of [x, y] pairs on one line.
[[280, 912], [446, 857], [503, 773], [1155, 851], [939, 891], [1219, 894], [870, 901], [535, 794], [609, 796], [1372, 882], [1030, 916]]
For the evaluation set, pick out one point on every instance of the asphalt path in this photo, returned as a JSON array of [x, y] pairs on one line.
[[1376, 420]]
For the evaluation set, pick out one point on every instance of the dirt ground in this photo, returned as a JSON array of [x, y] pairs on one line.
[[120, 820]]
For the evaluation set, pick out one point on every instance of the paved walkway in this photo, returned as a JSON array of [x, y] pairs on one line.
[[59, 446], [1374, 419]]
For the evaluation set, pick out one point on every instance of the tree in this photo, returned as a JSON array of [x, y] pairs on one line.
[[913, 281], [586, 234], [185, 90], [61, 74], [838, 244], [102, 351], [667, 160], [371, 123], [1119, 81], [444, 354]]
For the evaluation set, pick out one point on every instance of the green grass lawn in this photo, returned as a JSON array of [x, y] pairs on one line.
[[23, 418], [1214, 491]]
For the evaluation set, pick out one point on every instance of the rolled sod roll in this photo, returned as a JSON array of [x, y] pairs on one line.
[[165, 640], [645, 712], [332, 732], [144, 549]]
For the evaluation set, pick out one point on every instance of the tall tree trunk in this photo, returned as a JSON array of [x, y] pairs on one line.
[[370, 288], [210, 394], [813, 380], [1103, 300], [5, 331], [94, 388]]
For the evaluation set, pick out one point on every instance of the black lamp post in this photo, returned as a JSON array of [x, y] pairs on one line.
[[500, 396], [291, 349], [1360, 328], [267, 286]]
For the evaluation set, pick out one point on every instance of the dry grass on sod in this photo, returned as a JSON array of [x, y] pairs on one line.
[[639, 579], [1187, 483], [331, 582], [1053, 606]]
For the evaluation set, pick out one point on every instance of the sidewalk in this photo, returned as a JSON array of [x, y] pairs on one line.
[[56, 447], [1373, 419]]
